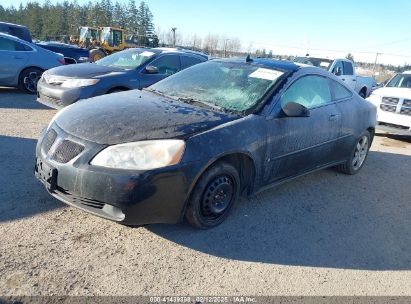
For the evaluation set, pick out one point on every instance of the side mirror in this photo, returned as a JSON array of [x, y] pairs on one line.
[[293, 109], [151, 69]]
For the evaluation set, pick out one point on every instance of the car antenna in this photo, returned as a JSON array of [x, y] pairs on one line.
[[248, 59]]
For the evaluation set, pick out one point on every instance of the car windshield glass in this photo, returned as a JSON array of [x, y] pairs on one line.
[[231, 86], [128, 59], [400, 81], [318, 62]]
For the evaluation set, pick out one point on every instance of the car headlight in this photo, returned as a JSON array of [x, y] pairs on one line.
[[74, 83], [142, 155]]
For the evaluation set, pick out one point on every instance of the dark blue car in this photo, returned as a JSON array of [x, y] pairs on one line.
[[135, 68], [72, 54]]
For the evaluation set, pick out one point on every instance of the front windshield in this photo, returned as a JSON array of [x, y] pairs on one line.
[[232, 86], [318, 62], [128, 59], [400, 81]]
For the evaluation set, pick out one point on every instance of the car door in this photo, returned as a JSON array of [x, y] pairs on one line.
[[166, 65], [12, 60], [296, 145]]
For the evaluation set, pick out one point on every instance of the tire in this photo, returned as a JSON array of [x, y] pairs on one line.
[[96, 54], [28, 80], [357, 156], [363, 93], [213, 196]]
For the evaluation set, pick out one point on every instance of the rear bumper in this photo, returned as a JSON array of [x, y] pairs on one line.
[[128, 197]]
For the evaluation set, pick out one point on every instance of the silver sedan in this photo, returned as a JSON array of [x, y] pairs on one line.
[[22, 63]]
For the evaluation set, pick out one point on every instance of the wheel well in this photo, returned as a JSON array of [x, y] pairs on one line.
[[372, 132], [119, 88], [364, 89], [246, 170]]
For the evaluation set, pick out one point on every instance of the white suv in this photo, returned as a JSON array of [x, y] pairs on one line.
[[394, 103]]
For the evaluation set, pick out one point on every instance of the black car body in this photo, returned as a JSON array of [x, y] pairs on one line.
[[134, 68], [72, 54], [261, 146]]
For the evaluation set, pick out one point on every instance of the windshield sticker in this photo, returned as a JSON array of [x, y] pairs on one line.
[[266, 74], [146, 54], [324, 64]]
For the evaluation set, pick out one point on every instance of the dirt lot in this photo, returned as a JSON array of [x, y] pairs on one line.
[[323, 234]]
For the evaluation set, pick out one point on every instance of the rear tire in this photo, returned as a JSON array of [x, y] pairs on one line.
[[96, 54], [357, 156], [213, 196], [28, 80]]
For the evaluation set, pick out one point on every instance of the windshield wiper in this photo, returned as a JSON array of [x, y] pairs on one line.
[[191, 100]]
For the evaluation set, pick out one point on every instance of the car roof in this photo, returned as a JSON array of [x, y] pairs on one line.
[[180, 50], [283, 65], [12, 24]]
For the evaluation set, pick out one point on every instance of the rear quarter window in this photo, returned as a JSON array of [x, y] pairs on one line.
[[340, 92]]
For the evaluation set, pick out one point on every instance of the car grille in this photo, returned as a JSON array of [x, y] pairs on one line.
[[388, 108], [66, 151], [390, 101], [48, 141], [405, 110], [50, 100], [407, 103], [80, 200]]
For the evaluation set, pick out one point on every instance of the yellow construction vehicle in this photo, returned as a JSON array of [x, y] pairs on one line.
[[102, 41]]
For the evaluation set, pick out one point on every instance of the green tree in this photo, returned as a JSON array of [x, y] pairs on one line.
[[350, 57]]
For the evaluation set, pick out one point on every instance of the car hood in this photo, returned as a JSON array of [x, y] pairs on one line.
[[136, 115], [82, 70], [394, 92]]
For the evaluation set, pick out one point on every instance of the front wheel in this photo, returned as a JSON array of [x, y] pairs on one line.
[[28, 80], [213, 196], [358, 155]]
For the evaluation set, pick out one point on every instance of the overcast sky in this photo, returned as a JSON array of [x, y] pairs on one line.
[[321, 27]]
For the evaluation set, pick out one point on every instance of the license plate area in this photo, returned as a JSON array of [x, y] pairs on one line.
[[46, 174]]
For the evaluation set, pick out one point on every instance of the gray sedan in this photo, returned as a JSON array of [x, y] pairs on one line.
[[135, 68], [22, 63]]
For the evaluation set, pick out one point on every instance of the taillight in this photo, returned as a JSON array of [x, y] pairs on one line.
[[61, 60]]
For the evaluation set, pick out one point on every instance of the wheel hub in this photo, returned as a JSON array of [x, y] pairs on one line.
[[217, 196]]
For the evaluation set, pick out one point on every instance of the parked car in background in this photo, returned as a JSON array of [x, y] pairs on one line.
[[72, 54], [135, 68], [192, 143], [22, 63], [345, 70], [16, 30], [394, 104]]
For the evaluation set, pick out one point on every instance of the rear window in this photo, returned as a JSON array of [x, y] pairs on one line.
[[11, 45]]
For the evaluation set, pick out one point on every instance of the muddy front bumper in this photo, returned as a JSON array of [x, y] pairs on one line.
[[128, 197]]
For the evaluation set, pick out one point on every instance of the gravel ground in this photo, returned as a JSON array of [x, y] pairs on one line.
[[323, 234]]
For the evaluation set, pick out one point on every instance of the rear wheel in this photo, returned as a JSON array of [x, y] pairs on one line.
[[28, 80], [96, 54], [358, 155], [213, 196]]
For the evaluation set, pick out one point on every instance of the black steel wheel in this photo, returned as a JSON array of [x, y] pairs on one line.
[[213, 196], [28, 80]]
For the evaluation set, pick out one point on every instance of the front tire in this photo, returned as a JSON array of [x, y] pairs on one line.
[[358, 155], [215, 193], [28, 80]]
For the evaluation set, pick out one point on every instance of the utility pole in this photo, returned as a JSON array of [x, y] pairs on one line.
[[375, 63], [173, 29]]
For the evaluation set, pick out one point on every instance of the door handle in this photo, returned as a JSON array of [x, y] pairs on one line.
[[334, 117], [17, 57], [343, 79], [354, 79]]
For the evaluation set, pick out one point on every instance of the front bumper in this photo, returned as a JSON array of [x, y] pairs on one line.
[[128, 197], [57, 97]]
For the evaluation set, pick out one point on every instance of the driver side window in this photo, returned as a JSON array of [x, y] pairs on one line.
[[309, 91], [167, 64]]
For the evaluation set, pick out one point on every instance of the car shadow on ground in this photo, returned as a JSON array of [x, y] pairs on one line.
[[406, 138], [325, 219], [11, 98], [21, 195]]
